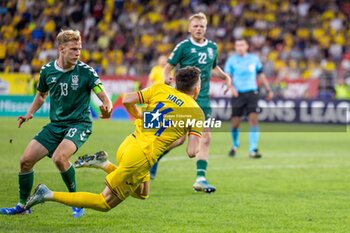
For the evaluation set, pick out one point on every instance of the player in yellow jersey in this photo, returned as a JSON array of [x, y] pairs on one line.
[[157, 72], [169, 115]]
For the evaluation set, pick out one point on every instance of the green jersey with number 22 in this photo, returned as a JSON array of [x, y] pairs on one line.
[[203, 56]]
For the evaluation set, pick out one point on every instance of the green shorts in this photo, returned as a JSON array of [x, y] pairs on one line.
[[53, 134], [205, 106]]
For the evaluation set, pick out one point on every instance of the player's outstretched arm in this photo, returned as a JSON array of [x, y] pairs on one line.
[[130, 101], [106, 107], [39, 100], [193, 145], [218, 72], [168, 79]]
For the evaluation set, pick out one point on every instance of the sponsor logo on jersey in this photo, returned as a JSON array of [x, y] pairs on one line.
[[75, 80], [193, 50], [210, 53], [53, 79], [251, 67]]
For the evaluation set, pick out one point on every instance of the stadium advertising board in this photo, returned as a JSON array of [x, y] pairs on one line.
[[17, 84], [279, 110], [308, 111], [119, 84], [14, 106], [298, 88], [14, 83], [291, 89]]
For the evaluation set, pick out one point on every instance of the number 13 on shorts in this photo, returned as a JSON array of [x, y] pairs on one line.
[[78, 135]]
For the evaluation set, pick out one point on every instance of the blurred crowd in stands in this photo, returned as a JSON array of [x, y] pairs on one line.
[[294, 38]]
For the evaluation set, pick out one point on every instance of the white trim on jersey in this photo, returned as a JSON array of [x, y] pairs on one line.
[[178, 45], [200, 45], [62, 70]]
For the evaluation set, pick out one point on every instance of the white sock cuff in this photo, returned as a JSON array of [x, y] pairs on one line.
[[48, 195]]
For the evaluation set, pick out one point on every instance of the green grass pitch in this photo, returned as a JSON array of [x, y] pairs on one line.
[[300, 185]]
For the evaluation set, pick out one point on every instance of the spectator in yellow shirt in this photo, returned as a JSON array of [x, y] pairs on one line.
[[3, 50], [342, 90], [12, 47], [50, 26]]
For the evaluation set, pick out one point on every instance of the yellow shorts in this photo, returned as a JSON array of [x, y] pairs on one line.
[[133, 169]]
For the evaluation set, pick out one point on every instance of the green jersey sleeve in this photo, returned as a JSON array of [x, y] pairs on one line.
[[42, 85], [94, 79], [177, 54]]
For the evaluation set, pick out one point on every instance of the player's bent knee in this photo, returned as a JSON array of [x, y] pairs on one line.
[[206, 139], [26, 164], [102, 204], [57, 160], [60, 162]]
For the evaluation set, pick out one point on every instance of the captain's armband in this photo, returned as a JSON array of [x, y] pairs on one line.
[[98, 88]]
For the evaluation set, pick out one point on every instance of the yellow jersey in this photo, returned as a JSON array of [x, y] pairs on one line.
[[169, 115], [157, 75]]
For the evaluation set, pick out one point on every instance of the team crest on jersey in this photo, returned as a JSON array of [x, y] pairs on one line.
[[75, 80], [193, 50], [251, 67], [210, 53]]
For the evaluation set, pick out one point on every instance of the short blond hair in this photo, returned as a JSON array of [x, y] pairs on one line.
[[68, 35], [199, 15]]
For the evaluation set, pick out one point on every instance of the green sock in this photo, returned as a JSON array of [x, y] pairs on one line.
[[69, 179], [25, 181], [201, 168]]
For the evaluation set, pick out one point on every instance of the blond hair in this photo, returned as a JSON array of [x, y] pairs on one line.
[[68, 35], [199, 15]]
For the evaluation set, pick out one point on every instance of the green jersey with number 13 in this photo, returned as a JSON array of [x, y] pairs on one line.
[[70, 91]]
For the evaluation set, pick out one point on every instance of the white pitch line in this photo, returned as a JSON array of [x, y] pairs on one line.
[[270, 167], [287, 166], [185, 157], [294, 154], [233, 167], [252, 167], [280, 155]]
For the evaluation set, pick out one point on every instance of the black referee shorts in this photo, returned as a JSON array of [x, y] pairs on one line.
[[245, 102]]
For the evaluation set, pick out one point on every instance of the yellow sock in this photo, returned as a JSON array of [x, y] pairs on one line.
[[111, 167], [82, 200]]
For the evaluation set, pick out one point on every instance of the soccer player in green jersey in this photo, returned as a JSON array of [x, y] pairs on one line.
[[202, 53], [69, 83]]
